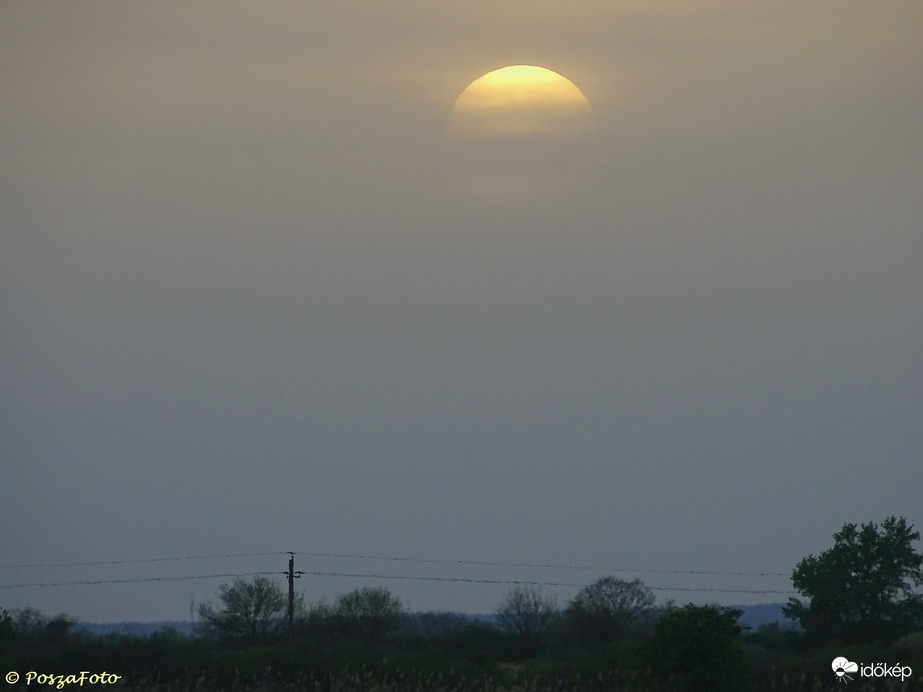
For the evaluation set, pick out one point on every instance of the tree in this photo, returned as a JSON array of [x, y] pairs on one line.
[[6, 635], [253, 612], [31, 626], [370, 614], [528, 616], [696, 649], [607, 609], [861, 589]]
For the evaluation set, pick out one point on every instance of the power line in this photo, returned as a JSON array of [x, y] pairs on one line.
[[393, 558], [140, 560], [388, 558], [85, 582], [486, 563], [522, 582], [467, 580]]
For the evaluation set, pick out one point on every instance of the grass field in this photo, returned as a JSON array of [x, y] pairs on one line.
[[365, 681]]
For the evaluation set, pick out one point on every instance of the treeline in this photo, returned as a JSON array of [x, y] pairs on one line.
[[861, 623], [679, 648]]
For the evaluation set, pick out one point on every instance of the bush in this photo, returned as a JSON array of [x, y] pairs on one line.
[[696, 649], [607, 610]]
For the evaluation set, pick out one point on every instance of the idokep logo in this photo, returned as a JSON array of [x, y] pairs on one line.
[[842, 667]]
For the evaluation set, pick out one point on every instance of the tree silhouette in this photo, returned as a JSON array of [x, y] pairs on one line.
[[696, 649], [861, 589], [370, 614], [252, 614], [606, 609], [528, 616]]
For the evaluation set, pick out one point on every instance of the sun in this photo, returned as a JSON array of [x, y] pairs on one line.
[[522, 134], [521, 101]]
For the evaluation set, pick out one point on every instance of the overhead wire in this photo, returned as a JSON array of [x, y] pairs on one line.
[[488, 563], [394, 558], [524, 582], [387, 558], [84, 582], [140, 560], [468, 580]]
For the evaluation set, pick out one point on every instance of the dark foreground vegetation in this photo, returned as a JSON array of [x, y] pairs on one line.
[[612, 636]]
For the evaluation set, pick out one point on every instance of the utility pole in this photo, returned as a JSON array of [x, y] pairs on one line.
[[292, 574]]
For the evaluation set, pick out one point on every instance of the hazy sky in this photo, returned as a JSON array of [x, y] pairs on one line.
[[251, 303]]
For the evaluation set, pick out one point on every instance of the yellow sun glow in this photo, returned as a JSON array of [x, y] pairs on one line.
[[521, 101]]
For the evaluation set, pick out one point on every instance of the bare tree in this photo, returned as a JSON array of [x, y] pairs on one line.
[[253, 611], [369, 613], [528, 615], [608, 608]]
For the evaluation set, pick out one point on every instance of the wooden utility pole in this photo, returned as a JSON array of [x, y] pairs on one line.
[[292, 574]]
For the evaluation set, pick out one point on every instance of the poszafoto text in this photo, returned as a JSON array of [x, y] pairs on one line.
[[82, 678]]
